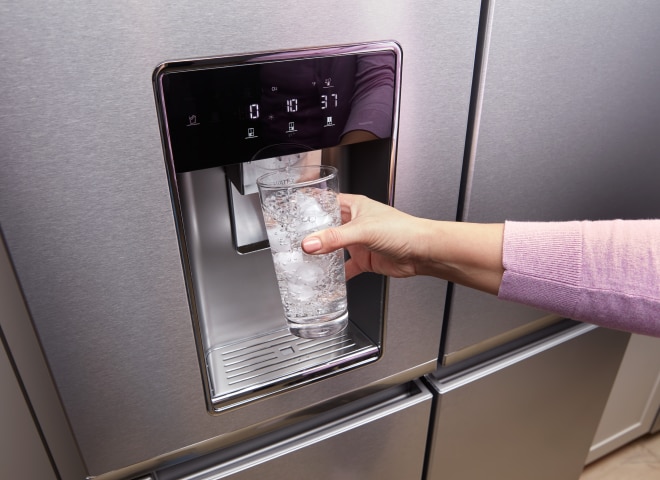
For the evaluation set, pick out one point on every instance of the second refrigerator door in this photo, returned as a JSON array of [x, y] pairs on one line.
[[381, 436], [528, 414]]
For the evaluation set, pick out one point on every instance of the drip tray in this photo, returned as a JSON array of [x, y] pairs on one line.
[[254, 367]]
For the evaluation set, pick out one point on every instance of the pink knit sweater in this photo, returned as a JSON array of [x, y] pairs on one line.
[[604, 272]]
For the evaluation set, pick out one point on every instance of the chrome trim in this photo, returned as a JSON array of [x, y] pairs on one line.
[[498, 340], [456, 381]]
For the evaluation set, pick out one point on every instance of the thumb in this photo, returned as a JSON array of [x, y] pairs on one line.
[[326, 241]]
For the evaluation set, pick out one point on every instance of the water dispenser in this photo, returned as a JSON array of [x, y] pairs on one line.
[[227, 120]]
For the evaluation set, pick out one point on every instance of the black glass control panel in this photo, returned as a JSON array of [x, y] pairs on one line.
[[217, 112]]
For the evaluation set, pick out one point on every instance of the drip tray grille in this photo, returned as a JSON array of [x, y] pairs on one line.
[[277, 360]]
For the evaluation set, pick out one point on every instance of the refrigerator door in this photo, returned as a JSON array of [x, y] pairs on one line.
[[382, 436], [528, 414], [88, 220], [34, 393], [22, 454], [564, 128]]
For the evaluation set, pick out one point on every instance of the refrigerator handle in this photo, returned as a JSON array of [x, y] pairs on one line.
[[372, 409], [456, 381]]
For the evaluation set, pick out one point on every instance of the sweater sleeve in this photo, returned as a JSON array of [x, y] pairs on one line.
[[603, 272]]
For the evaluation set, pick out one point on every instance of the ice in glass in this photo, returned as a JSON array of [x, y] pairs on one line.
[[297, 201]]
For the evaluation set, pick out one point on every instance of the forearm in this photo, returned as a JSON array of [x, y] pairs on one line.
[[603, 272], [469, 254]]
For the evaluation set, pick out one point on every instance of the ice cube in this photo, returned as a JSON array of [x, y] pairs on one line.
[[309, 274], [321, 222], [301, 292], [308, 205], [312, 214], [279, 239], [288, 261]]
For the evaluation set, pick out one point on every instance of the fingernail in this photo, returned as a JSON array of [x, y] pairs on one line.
[[311, 244]]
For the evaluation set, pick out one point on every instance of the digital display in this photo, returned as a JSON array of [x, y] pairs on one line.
[[226, 114]]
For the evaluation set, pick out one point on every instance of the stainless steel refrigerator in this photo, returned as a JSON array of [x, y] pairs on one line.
[[92, 233], [101, 314]]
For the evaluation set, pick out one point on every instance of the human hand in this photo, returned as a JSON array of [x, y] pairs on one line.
[[378, 238]]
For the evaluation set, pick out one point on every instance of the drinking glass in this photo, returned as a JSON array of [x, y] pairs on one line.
[[297, 201]]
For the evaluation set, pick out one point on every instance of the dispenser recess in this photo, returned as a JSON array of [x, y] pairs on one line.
[[226, 120]]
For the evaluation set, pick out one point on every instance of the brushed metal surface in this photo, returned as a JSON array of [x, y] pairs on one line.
[[27, 356], [236, 295], [249, 230], [531, 413], [353, 446], [568, 129], [23, 454], [86, 212], [507, 337]]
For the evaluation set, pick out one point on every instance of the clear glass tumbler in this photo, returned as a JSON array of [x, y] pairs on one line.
[[297, 201]]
